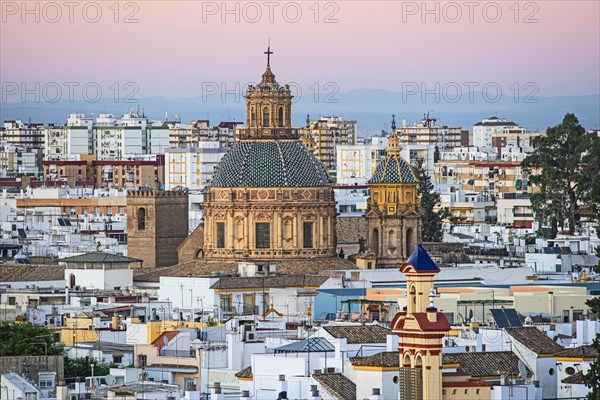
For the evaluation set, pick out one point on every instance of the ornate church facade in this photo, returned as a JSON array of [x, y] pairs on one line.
[[270, 198], [393, 220]]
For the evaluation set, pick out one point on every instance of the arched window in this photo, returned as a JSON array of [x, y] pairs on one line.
[[72, 281], [374, 245], [280, 117], [253, 117], [141, 215], [266, 117]]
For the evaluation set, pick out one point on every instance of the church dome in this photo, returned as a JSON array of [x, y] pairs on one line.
[[276, 163], [393, 169]]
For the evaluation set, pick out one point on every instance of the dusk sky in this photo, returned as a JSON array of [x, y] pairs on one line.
[[176, 46]]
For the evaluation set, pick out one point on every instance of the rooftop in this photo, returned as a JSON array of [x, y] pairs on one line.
[[272, 281], [338, 385], [306, 346], [358, 333], [534, 339], [205, 268], [99, 257], [578, 352]]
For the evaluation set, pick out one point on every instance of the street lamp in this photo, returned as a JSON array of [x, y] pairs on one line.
[[197, 345]]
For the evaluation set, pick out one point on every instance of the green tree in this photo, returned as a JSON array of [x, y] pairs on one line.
[[562, 167], [592, 376], [428, 200], [82, 366], [23, 339]]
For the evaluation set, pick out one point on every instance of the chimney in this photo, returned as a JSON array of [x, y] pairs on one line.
[[376, 394], [281, 386], [314, 393], [391, 342], [216, 392]]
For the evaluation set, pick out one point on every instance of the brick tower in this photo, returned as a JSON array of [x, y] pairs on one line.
[[157, 222]]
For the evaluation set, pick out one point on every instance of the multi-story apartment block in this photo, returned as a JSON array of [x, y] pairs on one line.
[[493, 177], [17, 161], [27, 135], [109, 138], [131, 173], [193, 167], [329, 133], [516, 138], [185, 136], [356, 163], [428, 133], [486, 128]]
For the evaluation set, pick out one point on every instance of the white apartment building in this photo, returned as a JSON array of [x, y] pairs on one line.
[[356, 163], [16, 160], [484, 129], [109, 138], [329, 133], [192, 167]]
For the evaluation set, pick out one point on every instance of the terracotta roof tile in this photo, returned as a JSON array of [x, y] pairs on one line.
[[578, 352], [198, 268], [534, 339], [273, 281], [338, 385], [575, 379], [359, 333]]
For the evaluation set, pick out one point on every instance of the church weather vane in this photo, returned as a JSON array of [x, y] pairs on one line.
[[268, 53]]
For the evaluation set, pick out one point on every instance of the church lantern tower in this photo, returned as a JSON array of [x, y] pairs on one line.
[[268, 109], [393, 220], [421, 328], [270, 198]]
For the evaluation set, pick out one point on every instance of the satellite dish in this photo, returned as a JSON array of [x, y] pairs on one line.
[[110, 380], [522, 370]]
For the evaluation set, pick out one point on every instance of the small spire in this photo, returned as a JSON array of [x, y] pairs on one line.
[[268, 53], [308, 120], [393, 122]]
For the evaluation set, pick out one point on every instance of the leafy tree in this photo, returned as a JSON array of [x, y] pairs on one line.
[[562, 167], [23, 339], [82, 366], [436, 154], [592, 376], [429, 199]]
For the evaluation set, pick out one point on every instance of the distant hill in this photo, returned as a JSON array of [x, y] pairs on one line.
[[372, 108]]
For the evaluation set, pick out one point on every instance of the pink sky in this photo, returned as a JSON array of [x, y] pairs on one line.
[[170, 51]]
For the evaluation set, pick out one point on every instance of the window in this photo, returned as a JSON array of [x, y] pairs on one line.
[[141, 219], [226, 303], [307, 234], [570, 370], [551, 371], [565, 316], [142, 361], [220, 235], [266, 117], [263, 235], [280, 117], [109, 211], [577, 315], [117, 359]]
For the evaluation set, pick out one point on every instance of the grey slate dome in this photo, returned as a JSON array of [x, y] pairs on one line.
[[393, 169], [269, 164]]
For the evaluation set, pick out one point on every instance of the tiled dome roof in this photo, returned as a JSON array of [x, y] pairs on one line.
[[393, 169], [269, 164]]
